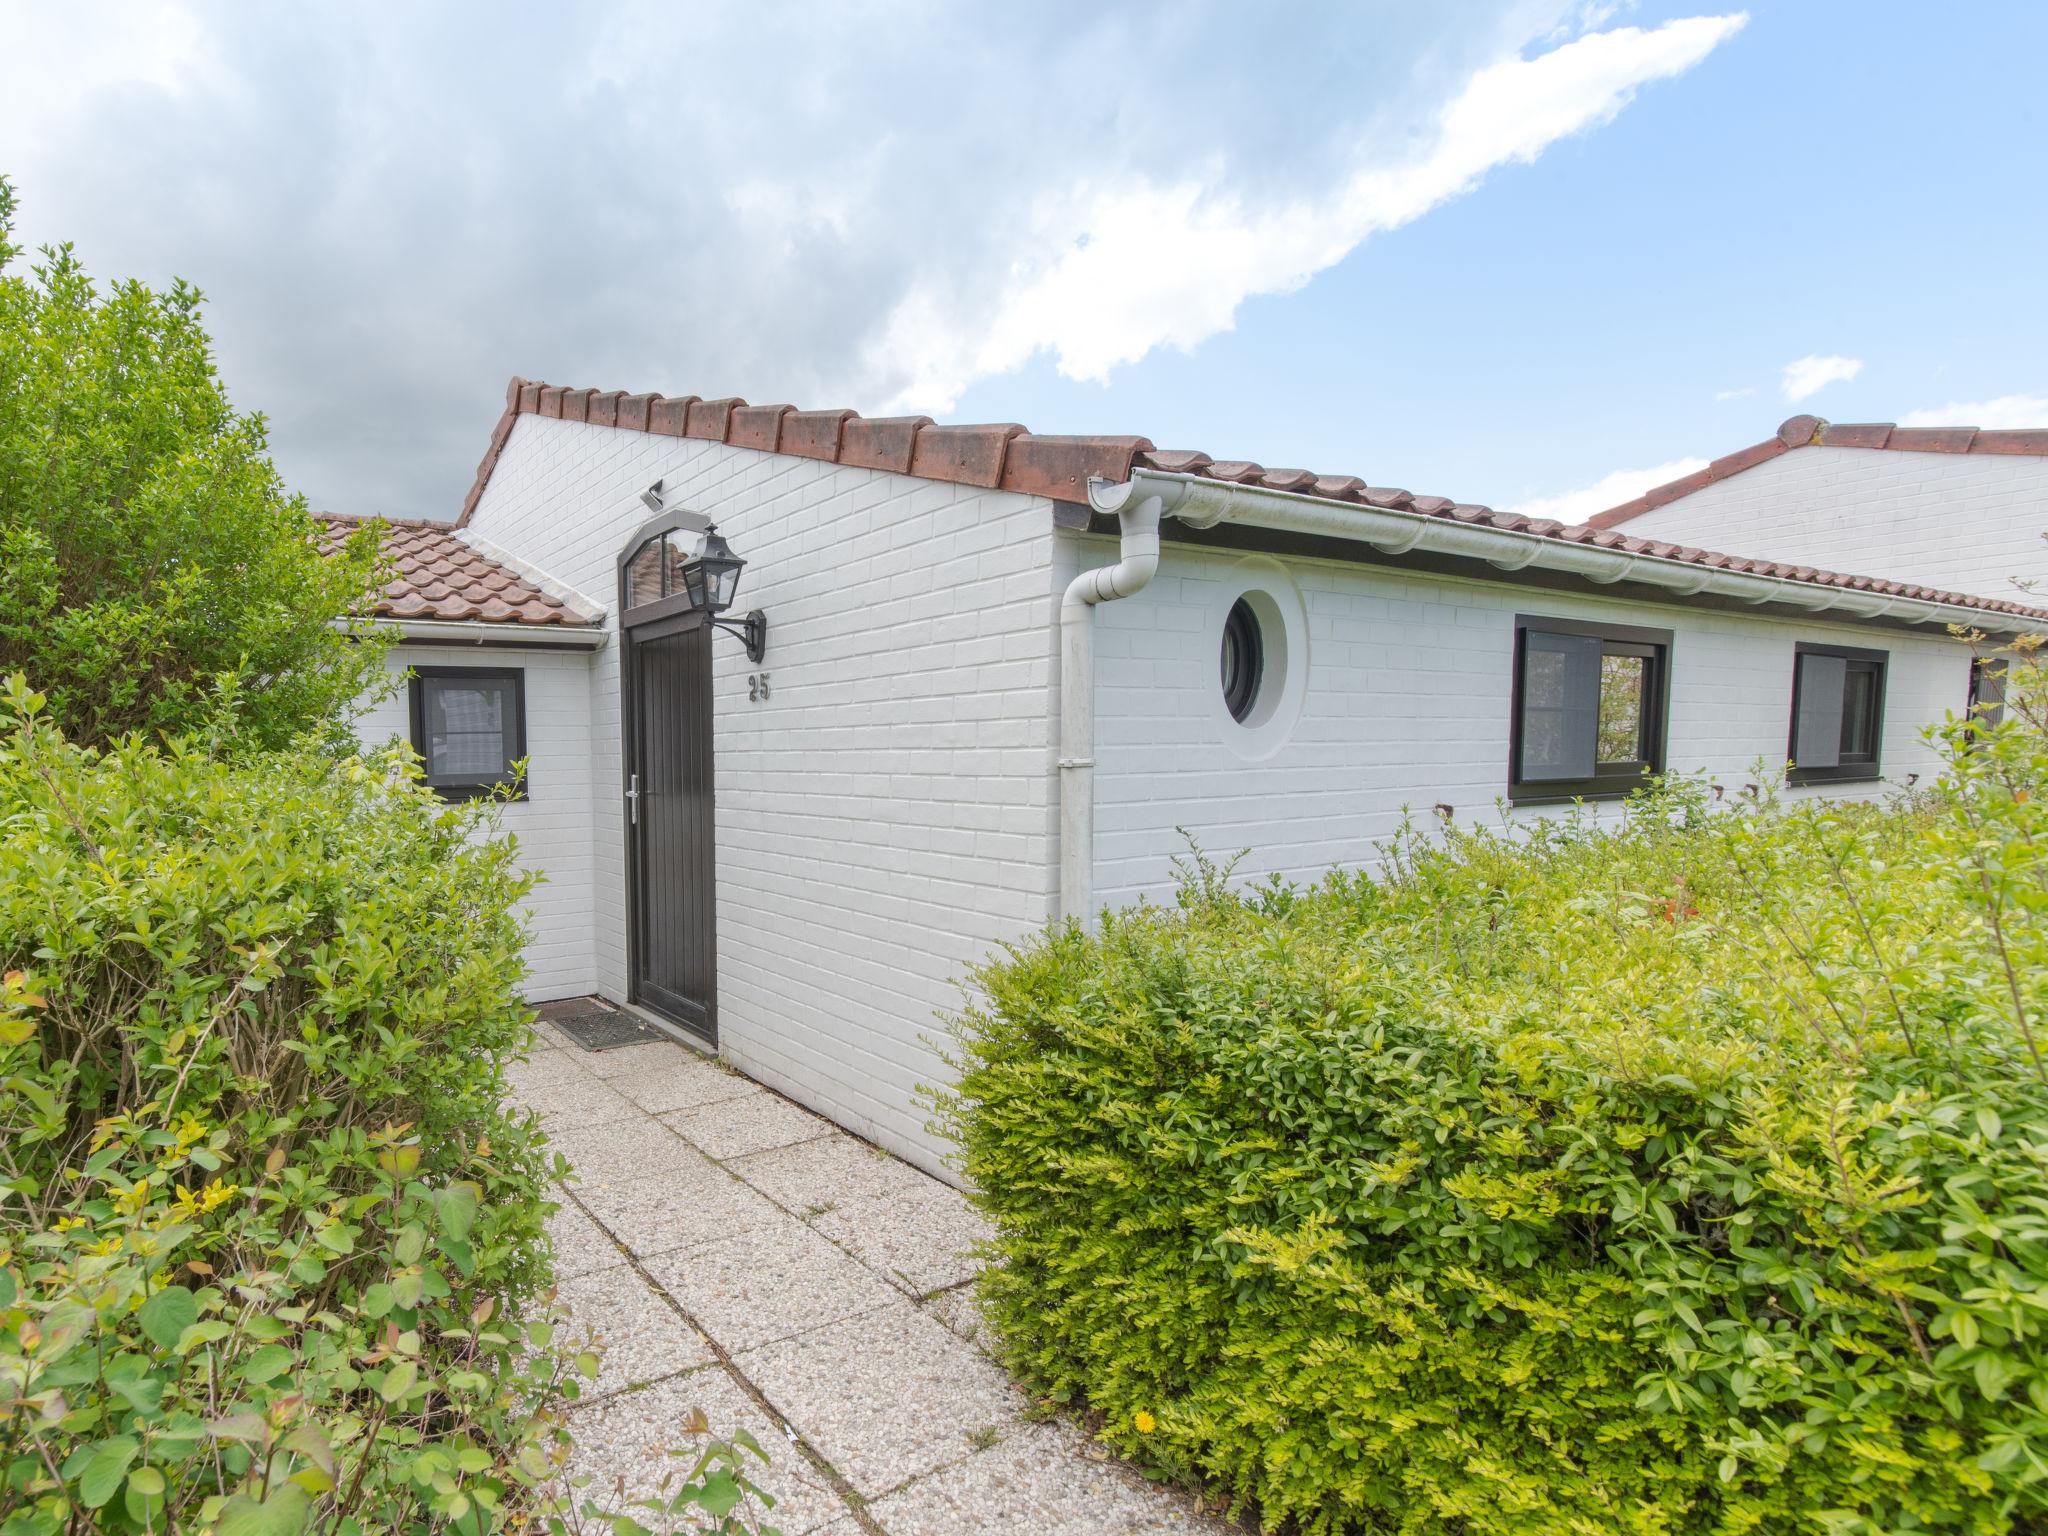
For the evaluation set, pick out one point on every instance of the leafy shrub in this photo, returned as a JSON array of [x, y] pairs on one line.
[[269, 1246], [154, 573], [1691, 1177]]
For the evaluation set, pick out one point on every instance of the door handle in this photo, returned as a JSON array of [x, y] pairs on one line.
[[633, 800]]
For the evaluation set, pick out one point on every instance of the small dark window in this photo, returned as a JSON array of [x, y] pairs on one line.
[[1837, 714], [1987, 690], [469, 728], [1589, 709], [1243, 659]]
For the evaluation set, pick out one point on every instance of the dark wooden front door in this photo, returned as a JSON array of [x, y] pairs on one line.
[[668, 820]]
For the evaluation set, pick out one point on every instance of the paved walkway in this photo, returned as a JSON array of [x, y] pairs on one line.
[[735, 1253]]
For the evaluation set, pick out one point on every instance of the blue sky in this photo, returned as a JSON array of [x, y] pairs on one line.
[[1500, 250], [1834, 180]]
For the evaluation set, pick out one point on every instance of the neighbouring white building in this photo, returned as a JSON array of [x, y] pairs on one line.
[[1951, 506], [1001, 670]]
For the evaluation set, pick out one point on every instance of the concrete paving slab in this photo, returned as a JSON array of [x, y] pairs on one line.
[[633, 1060], [1042, 1479], [638, 1336], [736, 1127], [683, 1208], [634, 1148], [887, 1395], [919, 1240], [581, 1246], [684, 1082], [537, 1073], [626, 1439], [760, 1286], [568, 1099], [812, 1177]]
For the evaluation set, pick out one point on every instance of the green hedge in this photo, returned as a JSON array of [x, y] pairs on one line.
[[1686, 1178], [269, 1246]]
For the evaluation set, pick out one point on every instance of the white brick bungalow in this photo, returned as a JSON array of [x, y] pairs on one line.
[[1001, 670]]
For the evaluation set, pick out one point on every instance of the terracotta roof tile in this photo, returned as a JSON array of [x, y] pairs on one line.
[[1007, 456], [435, 575]]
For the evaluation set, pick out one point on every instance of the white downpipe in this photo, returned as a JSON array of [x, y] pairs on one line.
[[1137, 558]]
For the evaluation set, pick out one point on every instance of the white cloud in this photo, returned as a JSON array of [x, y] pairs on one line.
[[1810, 375], [1608, 491], [1122, 267], [884, 203], [1735, 394], [2004, 411]]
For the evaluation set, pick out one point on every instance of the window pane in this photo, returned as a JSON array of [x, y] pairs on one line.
[[643, 574], [681, 550], [1818, 732], [1560, 705], [1624, 680], [1859, 712], [467, 722]]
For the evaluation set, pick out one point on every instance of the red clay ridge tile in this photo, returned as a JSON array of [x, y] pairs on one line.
[[551, 400], [1798, 431], [1060, 468], [576, 404], [604, 408], [633, 412], [881, 442], [964, 455], [711, 419], [1337, 487], [813, 434], [1933, 439], [758, 426], [667, 415], [2012, 440], [1867, 434], [1235, 471]]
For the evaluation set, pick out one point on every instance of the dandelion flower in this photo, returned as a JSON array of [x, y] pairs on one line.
[[1144, 1421]]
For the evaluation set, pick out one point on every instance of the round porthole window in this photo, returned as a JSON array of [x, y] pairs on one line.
[[1243, 660]]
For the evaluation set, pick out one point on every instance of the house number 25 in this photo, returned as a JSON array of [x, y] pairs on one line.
[[757, 686]]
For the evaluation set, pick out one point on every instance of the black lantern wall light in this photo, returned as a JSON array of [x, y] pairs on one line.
[[683, 563], [710, 578]]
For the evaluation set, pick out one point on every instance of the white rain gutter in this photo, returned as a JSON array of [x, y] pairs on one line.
[[1140, 503], [509, 636]]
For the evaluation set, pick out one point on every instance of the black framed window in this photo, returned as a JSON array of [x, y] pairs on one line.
[[1837, 714], [469, 728], [1590, 706], [1987, 689]]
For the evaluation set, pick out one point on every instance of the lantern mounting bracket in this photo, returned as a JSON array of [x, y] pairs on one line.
[[752, 630]]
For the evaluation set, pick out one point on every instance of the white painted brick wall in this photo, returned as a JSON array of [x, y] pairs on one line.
[[1963, 522], [1407, 704], [553, 823], [886, 818]]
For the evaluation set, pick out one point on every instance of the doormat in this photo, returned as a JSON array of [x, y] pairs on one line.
[[607, 1029]]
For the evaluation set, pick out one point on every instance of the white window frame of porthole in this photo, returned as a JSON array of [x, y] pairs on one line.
[[1269, 590]]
